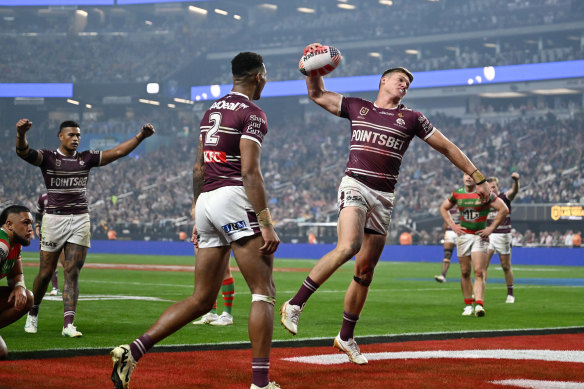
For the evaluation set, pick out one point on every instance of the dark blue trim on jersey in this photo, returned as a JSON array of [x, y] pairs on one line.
[[36, 90], [431, 79]]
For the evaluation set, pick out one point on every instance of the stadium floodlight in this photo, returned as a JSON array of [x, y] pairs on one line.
[[272, 7], [200, 11], [74, 102], [151, 102], [152, 88], [221, 12], [306, 10]]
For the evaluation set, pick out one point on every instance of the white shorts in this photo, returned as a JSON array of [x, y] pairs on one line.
[[57, 230], [377, 204], [469, 243], [224, 215], [500, 243], [450, 237]]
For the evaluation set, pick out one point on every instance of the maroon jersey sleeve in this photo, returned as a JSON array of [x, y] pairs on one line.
[[255, 126]]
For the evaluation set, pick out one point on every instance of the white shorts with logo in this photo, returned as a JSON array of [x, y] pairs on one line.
[[376, 203], [469, 243], [500, 243], [450, 237], [57, 230], [224, 215]]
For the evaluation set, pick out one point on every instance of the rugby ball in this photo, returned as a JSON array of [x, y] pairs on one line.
[[319, 62]]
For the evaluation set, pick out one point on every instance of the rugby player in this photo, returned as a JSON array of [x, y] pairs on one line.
[[231, 213], [15, 299], [66, 224], [381, 132], [473, 239], [500, 239]]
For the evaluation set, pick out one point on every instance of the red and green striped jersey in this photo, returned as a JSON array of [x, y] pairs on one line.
[[8, 255], [473, 213]]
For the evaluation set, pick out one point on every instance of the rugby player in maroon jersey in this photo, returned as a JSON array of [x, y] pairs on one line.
[[500, 239], [231, 213], [66, 223], [381, 132], [473, 239]]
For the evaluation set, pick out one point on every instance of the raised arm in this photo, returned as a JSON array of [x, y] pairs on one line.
[[511, 193], [125, 148], [23, 150], [443, 145], [331, 101], [253, 182]]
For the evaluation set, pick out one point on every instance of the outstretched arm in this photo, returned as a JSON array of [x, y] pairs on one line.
[[511, 193], [331, 101], [126, 147], [22, 149], [443, 145]]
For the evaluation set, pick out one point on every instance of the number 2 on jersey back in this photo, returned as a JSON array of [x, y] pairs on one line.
[[212, 138]]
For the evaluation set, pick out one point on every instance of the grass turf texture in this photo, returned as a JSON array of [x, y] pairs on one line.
[[403, 299]]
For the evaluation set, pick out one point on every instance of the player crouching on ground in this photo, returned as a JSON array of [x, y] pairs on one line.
[[15, 299]]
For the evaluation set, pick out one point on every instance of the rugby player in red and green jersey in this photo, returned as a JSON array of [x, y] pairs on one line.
[[15, 299], [473, 239]]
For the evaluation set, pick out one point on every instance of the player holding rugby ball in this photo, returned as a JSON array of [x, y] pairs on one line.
[[381, 132]]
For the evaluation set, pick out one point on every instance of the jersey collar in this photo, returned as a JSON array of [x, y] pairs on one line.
[[239, 94]]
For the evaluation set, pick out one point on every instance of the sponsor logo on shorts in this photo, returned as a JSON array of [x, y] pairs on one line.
[[230, 228], [49, 244]]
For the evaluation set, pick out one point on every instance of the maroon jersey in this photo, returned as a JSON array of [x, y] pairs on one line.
[[66, 180], [379, 140], [455, 215], [505, 226], [225, 123]]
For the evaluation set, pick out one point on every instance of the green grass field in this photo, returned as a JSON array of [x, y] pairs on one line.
[[403, 299]]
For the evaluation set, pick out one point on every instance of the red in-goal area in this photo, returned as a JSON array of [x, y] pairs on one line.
[[231, 368]]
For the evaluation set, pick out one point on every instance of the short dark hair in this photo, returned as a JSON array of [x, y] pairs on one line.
[[68, 123], [399, 69], [11, 209], [246, 64]]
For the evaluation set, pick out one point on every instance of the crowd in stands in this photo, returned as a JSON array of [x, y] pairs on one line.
[[157, 52], [303, 161]]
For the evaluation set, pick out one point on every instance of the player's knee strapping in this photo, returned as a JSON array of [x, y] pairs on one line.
[[447, 255], [264, 298], [361, 281]]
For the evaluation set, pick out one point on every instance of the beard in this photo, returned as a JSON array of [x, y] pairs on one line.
[[21, 240]]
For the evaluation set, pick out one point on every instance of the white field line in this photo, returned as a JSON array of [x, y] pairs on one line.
[[540, 384], [540, 355]]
